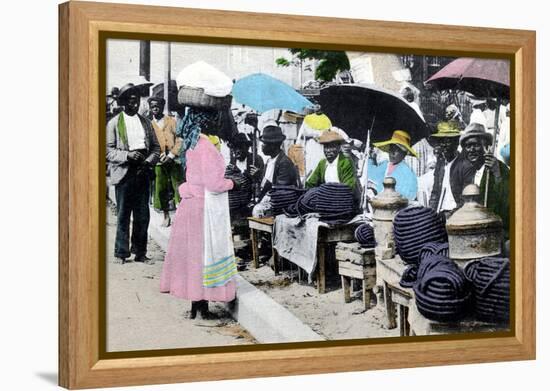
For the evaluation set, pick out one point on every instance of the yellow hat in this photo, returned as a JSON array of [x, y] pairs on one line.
[[447, 129], [317, 121], [399, 137]]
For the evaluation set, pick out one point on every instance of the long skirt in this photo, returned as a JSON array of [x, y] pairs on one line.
[[182, 272]]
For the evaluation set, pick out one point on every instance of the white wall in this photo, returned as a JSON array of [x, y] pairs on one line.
[[28, 287]]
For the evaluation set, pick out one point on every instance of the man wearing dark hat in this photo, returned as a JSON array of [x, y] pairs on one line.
[[479, 166], [335, 167], [279, 169], [168, 171], [132, 151]]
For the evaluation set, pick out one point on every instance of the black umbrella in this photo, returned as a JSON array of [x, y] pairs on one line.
[[356, 108]]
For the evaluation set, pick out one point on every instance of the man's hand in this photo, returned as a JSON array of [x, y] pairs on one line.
[[254, 171], [135, 156], [491, 163], [238, 182]]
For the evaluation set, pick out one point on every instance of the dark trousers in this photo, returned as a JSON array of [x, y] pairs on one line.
[[132, 200]]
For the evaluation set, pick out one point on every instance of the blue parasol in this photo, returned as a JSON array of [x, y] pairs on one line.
[[262, 93]]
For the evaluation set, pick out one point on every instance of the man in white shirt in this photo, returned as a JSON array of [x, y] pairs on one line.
[[132, 152], [435, 186], [279, 169]]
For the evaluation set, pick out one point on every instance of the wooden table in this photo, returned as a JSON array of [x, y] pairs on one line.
[[412, 322], [419, 325], [355, 262], [397, 300], [326, 237], [262, 224]]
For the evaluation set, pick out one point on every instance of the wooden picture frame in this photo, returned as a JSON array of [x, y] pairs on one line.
[[82, 364]]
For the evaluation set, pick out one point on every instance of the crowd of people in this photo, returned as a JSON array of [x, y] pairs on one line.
[[180, 162]]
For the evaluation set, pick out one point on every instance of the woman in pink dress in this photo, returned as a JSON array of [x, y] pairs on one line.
[[183, 270]]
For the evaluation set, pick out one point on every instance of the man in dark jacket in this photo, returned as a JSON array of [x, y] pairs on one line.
[[279, 169], [132, 152], [478, 165]]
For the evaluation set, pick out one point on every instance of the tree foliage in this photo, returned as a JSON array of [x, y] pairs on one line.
[[330, 62]]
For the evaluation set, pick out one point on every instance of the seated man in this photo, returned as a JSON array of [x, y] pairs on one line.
[[335, 167], [279, 169], [397, 148]]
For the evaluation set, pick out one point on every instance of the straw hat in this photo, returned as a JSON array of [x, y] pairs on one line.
[[329, 136], [476, 130], [399, 137]]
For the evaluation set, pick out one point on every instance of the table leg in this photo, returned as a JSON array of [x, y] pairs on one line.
[[406, 325], [366, 295], [401, 320], [390, 308], [275, 254], [346, 288], [254, 239], [321, 255]]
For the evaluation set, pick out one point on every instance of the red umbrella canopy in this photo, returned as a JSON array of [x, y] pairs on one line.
[[480, 77]]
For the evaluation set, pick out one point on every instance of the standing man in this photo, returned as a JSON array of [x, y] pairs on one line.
[[483, 166], [435, 186], [132, 151], [279, 169], [168, 171]]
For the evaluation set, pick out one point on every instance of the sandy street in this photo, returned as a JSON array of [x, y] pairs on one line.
[[139, 317], [327, 314]]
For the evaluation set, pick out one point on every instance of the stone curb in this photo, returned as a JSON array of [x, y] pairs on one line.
[[265, 319]]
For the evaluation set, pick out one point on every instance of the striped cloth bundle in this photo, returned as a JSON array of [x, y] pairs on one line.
[[490, 278], [333, 202], [364, 234], [241, 197], [415, 226], [282, 197], [442, 291], [409, 276]]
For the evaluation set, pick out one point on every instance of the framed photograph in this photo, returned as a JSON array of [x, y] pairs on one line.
[[249, 195]]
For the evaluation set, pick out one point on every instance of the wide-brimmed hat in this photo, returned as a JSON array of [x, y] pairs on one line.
[[272, 134], [126, 89], [445, 130], [240, 139], [399, 137], [476, 130], [330, 136]]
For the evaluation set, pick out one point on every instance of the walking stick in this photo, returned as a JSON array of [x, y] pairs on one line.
[[492, 149]]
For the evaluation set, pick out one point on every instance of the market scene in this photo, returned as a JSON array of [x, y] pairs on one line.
[[272, 195]]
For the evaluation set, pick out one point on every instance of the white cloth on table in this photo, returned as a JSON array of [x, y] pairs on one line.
[[296, 240]]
